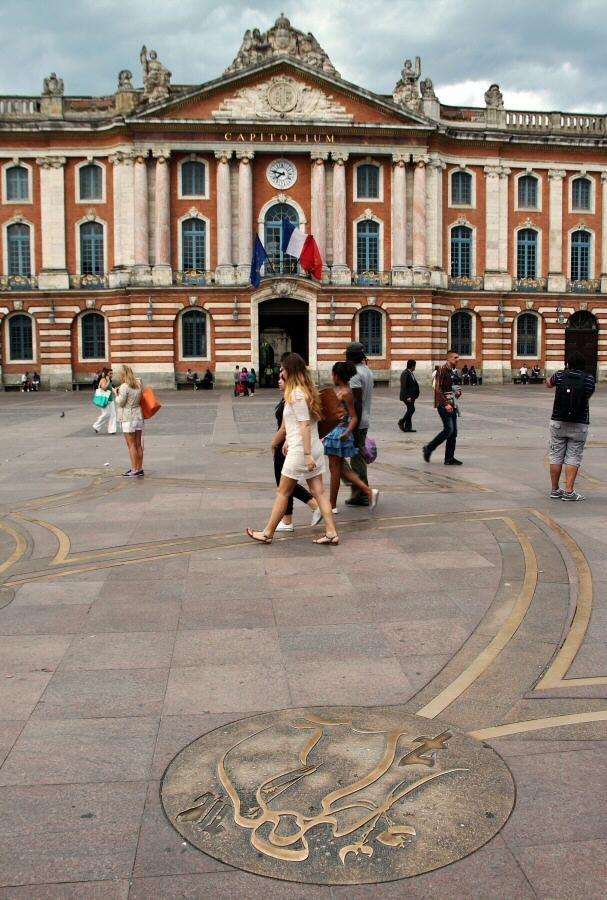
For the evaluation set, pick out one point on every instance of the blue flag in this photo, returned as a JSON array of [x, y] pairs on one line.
[[259, 258]]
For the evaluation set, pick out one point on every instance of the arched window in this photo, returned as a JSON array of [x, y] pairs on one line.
[[526, 253], [90, 182], [17, 183], [461, 251], [461, 188], [193, 179], [580, 255], [20, 338], [193, 245], [367, 246], [367, 182], [93, 336], [370, 331], [91, 248], [461, 333], [527, 192], [194, 334], [580, 194], [526, 335], [19, 253], [282, 263]]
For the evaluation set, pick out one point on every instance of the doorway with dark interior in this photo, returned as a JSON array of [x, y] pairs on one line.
[[283, 328], [582, 334]]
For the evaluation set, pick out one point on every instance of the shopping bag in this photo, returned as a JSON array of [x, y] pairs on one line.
[[101, 398], [370, 450], [149, 403], [332, 412]]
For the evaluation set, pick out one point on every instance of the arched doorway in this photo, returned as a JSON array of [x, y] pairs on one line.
[[582, 334], [283, 328]]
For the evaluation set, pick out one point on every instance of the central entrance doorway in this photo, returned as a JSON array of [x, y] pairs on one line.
[[582, 334], [283, 328]]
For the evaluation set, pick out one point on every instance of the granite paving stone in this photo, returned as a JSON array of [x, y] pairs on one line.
[[82, 890], [195, 690], [103, 693], [134, 650]]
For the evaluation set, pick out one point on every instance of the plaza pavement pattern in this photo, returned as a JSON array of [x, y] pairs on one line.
[[135, 617]]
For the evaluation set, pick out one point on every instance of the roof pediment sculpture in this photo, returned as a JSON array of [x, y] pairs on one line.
[[494, 98], [156, 77], [282, 40], [282, 98], [406, 92], [52, 86]]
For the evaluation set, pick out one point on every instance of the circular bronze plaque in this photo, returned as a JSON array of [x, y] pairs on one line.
[[337, 795]]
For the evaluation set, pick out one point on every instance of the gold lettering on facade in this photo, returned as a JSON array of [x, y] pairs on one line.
[[227, 136], [240, 137], [260, 136]]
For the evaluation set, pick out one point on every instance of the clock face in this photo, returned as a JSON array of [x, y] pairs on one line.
[[282, 174]]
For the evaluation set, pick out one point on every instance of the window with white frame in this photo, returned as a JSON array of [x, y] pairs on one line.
[[194, 334], [93, 336], [461, 251], [193, 179], [581, 242], [367, 246], [526, 335], [91, 249], [461, 188], [461, 333], [581, 194], [90, 182], [18, 245], [370, 331], [526, 253], [367, 182], [527, 192], [17, 183], [20, 338], [193, 245]]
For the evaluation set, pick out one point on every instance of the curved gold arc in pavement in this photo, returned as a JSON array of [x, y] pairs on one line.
[[18, 552], [503, 636], [64, 543], [498, 731]]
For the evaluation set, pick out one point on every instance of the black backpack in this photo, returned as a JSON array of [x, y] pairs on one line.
[[570, 402]]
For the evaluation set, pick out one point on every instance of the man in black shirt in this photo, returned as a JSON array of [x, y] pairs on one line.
[[569, 424], [409, 392]]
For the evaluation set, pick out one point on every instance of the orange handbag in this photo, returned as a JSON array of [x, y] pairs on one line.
[[149, 403]]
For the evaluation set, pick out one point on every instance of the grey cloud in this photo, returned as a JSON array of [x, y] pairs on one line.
[[540, 47]]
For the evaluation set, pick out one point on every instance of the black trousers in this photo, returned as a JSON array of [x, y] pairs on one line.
[[300, 492], [408, 416], [448, 434]]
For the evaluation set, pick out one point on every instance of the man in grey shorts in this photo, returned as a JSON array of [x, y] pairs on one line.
[[569, 424]]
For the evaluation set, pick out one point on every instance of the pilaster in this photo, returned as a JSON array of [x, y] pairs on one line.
[[318, 200], [434, 223], [224, 273], [340, 272], [399, 217], [53, 275], [421, 275], [557, 281], [124, 218], [162, 273], [245, 215], [604, 233], [142, 274], [496, 230]]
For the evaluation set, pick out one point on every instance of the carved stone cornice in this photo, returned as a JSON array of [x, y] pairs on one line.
[[493, 171], [123, 158], [51, 162], [319, 156], [437, 164], [339, 157], [223, 156], [421, 159], [245, 156], [556, 174], [400, 159], [161, 155]]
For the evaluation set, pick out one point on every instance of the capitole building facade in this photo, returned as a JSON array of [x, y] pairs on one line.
[[127, 224]]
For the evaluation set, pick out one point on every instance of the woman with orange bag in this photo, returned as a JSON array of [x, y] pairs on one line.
[[130, 416]]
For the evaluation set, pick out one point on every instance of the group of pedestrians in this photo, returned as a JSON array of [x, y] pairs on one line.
[[30, 382], [123, 408], [244, 381]]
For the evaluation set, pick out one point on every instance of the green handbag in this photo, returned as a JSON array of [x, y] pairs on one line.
[[101, 398]]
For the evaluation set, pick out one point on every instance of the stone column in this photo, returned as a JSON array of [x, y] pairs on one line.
[[142, 271], [420, 274], [503, 220], [604, 234], [434, 223], [318, 202], [162, 273], [496, 230], [340, 272], [225, 267], [400, 273], [53, 275], [124, 219], [245, 215], [556, 278]]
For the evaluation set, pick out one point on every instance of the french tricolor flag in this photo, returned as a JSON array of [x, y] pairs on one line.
[[303, 247]]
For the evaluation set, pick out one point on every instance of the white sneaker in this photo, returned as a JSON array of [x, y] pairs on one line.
[[374, 499], [316, 516], [335, 511], [282, 526]]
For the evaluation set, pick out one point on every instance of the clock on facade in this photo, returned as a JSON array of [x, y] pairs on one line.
[[282, 174]]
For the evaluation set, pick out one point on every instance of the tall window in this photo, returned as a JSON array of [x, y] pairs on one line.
[[282, 263], [91, 248], [19, 253], [93, 336], [461, 188], [90, 182], [580, 255], [194, 334], [193, 245], [367, 246], [193, 179], [20, 338], [461, 333], [526, 253], [527, 192], [370, 331], [526, 335], [17, 183], [580, 193], [461, 251], [367, 182]]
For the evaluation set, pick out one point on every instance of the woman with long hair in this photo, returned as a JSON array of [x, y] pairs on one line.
[[128, 400], [304, 451], [339, 443], [108, 413]]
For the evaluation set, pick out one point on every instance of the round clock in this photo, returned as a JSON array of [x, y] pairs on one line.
[[282, 174]]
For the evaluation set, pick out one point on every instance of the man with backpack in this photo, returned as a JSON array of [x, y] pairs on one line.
[[569, 424]]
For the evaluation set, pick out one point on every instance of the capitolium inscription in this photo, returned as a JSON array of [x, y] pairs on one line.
[[337, 795]]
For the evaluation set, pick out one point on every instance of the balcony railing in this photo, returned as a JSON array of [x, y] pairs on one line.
[[466, 283], [530, 285], [89, 282], [584, 286], [18, 283], [193, 278], [372, 279]]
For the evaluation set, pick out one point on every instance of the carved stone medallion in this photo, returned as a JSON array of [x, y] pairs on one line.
[[337, 795], [282, 95]]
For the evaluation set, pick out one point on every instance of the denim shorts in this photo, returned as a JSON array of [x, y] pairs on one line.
[[566, 442]]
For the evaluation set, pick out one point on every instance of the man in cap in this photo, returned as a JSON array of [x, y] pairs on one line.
[[361, 386]]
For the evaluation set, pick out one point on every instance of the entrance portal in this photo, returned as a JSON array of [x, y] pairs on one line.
[[582, 333], [283, 328]]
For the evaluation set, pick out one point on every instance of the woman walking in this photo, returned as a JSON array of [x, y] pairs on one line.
[[108, 413], [130, 415], [244, 381], [339, 443], [305, 456], [252, 380]]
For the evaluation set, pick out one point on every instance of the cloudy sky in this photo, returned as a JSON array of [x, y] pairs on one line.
[[545, 54]]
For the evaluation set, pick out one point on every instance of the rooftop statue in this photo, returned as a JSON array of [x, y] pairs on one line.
[[281, 40], [406, 91], [52, 86], [494, 98], [156, 77]]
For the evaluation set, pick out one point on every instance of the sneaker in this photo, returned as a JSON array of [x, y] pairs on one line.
[[426, 454], [139, 474], [316, 516], [556, 494], [335, 511], [357, 502], [453, 462], [129, 474], [374, 498], [573, 495], [282, 526]]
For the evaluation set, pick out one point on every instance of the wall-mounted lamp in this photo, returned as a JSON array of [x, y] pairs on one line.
[[235, 312], [560, 314], [501, 318], [413, 309], [332, 310], [150, 310], [51, 313]]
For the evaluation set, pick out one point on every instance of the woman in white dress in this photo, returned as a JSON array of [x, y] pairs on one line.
[[304, 451], [108, 413]]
